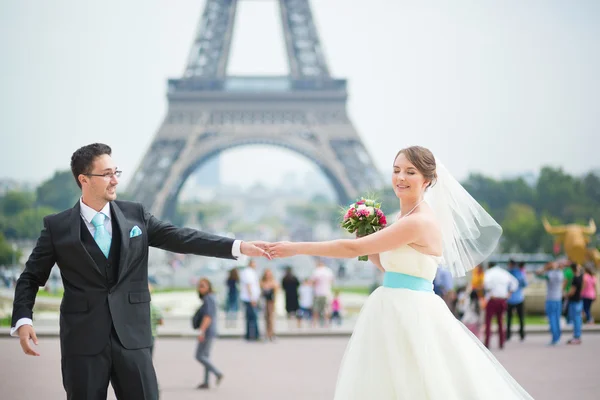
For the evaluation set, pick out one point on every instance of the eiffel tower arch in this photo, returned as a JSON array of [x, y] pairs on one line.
[[210, 112]]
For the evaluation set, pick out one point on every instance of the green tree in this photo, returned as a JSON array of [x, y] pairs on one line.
[[591, 188], [14, 202], [521, 229], [59, 192], [28, 223], [7, 254], [518, 191], [557, 190], [487, 190]]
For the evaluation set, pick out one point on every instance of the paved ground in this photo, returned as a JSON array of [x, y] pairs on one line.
[[297, 368]]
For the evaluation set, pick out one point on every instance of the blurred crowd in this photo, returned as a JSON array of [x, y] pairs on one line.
[[497, 293]]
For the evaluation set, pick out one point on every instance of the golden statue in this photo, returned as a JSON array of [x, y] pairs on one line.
[[575, 239]]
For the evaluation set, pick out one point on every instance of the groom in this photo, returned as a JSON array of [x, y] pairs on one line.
[[101, 247]]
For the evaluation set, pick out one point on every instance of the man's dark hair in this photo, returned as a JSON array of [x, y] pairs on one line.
[[83, 158]]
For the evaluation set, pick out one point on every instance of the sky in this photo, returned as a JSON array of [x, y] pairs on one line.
[[496, 87]]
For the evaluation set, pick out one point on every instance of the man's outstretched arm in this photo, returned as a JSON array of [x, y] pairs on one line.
[[169, 237]]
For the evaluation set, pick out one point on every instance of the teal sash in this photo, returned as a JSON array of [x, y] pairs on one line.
[[397, 280]]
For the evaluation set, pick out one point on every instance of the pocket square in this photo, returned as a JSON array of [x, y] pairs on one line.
[[135, 231]]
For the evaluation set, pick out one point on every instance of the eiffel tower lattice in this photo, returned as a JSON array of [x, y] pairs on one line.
[[210, 112]]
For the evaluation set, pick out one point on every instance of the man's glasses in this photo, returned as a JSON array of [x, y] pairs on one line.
[[108, 175]]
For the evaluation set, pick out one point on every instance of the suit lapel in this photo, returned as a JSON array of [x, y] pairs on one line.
[[124, 227], [75, 226]]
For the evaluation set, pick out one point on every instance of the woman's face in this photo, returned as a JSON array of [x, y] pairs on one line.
[[203, 287], [407, 181], [268, 275]]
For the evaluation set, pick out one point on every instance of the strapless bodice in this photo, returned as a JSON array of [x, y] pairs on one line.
[[409, 261]]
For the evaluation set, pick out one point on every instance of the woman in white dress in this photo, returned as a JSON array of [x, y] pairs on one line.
[[406, 343]]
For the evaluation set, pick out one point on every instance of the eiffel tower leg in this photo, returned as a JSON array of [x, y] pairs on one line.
[[155, 168], [210, 52]]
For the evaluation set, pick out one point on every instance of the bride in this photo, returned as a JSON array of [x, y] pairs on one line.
[[406, 343]]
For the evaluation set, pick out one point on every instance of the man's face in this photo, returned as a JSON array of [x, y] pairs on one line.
[[101, 183]]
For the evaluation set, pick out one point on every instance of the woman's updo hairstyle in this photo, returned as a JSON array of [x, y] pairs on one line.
[[423, 160]]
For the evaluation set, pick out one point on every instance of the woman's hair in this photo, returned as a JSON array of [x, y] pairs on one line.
[[233, 275], [267, 271], [423, 160], [590, 270], [205, 280]]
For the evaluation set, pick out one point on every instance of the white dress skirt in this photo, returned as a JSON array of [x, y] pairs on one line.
[[407, 345]]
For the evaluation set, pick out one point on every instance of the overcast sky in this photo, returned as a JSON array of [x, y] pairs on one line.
[[499, 87]]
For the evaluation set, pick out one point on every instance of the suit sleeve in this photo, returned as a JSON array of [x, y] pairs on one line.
[[36, 273], [168, 237]]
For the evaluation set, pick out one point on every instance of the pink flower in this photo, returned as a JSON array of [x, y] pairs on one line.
[[379, 213], [360, 202], [349, 213], [362, 213], [382, 220]]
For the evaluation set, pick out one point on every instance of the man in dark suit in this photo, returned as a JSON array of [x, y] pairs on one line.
[[101, 247]]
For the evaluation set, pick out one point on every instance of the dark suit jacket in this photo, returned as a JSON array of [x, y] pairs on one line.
[[90, 306]]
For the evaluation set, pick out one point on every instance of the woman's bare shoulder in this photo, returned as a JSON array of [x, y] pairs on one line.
[[425, 219], [429, 231]]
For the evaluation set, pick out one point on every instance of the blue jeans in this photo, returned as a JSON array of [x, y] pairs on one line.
[[203, 354], [587, 307], [553, 311], [575, 309], [251, 322], [231, 307]]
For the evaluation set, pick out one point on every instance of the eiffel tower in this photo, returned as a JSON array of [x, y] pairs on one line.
[[210, 112]]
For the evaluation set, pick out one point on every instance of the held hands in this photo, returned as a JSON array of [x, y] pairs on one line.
[[26, 333], [268, 250], [255, 249]]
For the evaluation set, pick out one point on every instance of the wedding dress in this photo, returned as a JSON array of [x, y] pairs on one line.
[[407, 345]]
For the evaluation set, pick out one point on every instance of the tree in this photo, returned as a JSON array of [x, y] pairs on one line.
[[521, 229], [14, 202], [28, 223], [591, 187], [487, 190], [555, 191], [59, 192], [7, 254]]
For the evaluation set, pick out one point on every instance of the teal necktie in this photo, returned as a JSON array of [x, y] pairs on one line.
[[102, 237]]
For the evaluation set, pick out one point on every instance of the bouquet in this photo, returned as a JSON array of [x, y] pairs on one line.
[[364, 217]]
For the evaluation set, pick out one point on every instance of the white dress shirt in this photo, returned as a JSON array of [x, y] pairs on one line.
[[498, 282], [249, 285], [87, 214], [322, 277]]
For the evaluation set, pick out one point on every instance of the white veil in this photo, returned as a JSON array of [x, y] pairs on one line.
[[469, 233]]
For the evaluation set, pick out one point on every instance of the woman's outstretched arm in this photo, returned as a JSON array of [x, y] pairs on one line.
[[405, 231]]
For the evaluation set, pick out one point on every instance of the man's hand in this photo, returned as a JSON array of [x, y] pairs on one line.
[[26, 333], [255, 249], [201, 337]]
